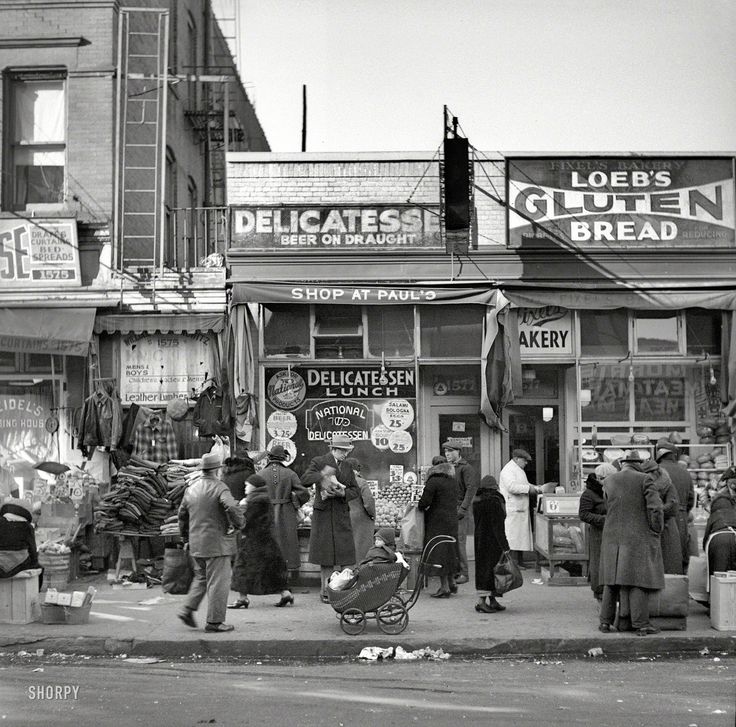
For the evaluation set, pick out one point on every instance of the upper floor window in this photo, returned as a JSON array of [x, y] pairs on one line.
[[36, 148]]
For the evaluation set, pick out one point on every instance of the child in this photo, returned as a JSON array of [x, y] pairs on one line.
[[384, 549]]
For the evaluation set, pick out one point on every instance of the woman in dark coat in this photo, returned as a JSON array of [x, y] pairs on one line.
[[670, 537], [722, 549], [287, 496], [235, 471], [331, 540], [17, 540], [260, 568], [489, 513], [592, 511], [439, 503]]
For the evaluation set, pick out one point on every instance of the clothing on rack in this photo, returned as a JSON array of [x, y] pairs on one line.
[[155, 440], [208, 415], [101, 423]]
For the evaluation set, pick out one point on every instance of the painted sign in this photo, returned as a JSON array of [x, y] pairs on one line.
[[286, 389], [360, 383], [39, 252], [328, 419], [545, 331], [335, 228], [155, 368], [620, 202]]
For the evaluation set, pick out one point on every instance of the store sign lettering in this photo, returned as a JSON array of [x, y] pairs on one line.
[[328, 419], [595, 202], [545, 330], [342, 227], [359, 383], [331, 294]]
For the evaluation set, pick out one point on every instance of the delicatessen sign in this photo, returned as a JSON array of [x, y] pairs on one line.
[[318, 403], [627, 202], [345, 228]]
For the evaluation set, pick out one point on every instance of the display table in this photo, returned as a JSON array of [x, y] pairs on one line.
[[560, 536]]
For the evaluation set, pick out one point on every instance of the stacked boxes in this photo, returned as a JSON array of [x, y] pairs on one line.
[[19, 600], [67, 608]]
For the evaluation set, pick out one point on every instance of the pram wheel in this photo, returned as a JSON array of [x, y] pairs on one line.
[[352, 621], [392, 617]]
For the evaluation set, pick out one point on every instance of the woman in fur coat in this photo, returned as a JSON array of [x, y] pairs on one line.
[[260, 567]]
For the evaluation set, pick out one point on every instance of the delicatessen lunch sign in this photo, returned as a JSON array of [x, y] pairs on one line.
[[620, 201], [344, 228]]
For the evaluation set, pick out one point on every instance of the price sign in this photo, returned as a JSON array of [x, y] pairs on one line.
[[553, 506], [77, 493], [400, 442], [380, 436], [281, 424]]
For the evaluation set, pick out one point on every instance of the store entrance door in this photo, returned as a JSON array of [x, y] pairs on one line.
[[461, 422], [536, 429]]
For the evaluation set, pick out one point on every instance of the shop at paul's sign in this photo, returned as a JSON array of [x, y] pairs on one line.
[[545, 331], [624, 202], [155, 368], [335, 228], [39, 252]]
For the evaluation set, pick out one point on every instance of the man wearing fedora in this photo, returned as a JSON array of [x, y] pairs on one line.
[[631, 564], [515, 487], [467, 485], [331, 541], [208, 519], [666, 453]]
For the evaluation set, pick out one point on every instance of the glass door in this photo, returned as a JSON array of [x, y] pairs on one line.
[[536, 429], [462, 424]]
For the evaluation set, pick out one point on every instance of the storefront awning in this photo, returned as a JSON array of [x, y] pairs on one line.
[[60, 331], [359, 294], [150, 323]]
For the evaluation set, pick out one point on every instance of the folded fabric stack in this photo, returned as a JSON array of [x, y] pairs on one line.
[[170, 526], [137, 502], [177, 477]]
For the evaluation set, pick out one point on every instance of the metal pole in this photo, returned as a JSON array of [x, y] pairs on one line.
[[163, 89], [116, 236], [226, 121], [304, 117]]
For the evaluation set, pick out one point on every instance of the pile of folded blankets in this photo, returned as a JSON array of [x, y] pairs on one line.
[[170, 527]]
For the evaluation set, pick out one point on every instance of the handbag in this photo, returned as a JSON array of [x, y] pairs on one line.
[[506, 574], [412, 528], [178, 572]]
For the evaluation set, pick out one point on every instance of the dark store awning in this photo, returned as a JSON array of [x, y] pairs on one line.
[[169, 323], [59, 331]]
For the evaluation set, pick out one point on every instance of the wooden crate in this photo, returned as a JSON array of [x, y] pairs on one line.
[[19, 600]]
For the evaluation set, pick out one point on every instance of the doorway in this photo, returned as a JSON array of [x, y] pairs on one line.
[[536, 429], [460, 422]]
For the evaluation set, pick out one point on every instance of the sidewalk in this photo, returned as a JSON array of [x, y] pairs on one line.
[[540, 620]]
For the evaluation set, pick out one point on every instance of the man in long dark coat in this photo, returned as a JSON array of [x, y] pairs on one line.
[[666, 455], [331, 541], [631, 553]]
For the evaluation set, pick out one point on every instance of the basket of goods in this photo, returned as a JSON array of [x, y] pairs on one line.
[[590, 455], [55, 559]]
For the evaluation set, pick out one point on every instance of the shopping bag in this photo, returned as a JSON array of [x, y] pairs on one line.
[[412, 528], [506, 574], [178, 571]]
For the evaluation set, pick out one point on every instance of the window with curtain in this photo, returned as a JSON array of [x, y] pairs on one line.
[[390, 330], [37, 147], [451, 331]]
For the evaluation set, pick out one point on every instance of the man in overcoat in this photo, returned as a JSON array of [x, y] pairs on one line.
[[666, 454], [631, 554], [208, 519], [467, 485], [331, 541]]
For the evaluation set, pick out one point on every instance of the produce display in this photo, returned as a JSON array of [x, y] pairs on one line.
[[391, 503], [304, 515], [54, 547]]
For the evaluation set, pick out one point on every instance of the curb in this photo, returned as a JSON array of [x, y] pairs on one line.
[[618, 647]]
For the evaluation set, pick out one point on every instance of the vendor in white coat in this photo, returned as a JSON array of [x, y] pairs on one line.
[[515, 488]]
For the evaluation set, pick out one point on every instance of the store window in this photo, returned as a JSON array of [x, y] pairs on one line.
[[7, 361], [286, 330], [338, 331], [37, 148], [390, 331], [609, 392], [703, 331], [604, 333], [451, 331], [656, 332]]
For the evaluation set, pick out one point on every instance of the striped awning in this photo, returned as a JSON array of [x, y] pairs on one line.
[[162, 323]]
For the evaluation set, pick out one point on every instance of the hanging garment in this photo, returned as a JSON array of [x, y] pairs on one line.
[[208, 414], [102, 418], [155, 440]]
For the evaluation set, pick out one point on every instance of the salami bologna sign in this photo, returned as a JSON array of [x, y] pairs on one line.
[[335, 228], [621, 202]]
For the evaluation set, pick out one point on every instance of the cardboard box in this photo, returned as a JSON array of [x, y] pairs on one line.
[[78, 599], [52, 596], [19, 599], [723, 603], [65, 599]]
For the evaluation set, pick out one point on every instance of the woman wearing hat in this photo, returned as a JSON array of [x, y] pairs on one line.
[[331, 542], [489, 513], [287, 495], [260, 568]]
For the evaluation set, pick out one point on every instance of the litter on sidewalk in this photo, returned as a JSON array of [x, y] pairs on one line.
[[398, 653]]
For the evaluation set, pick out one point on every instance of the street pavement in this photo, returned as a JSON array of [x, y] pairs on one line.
[[539, 620]]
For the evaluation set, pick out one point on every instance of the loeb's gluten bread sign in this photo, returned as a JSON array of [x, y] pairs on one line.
[[620, 202]]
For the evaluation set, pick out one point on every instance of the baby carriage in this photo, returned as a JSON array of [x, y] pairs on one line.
[[375, 594]]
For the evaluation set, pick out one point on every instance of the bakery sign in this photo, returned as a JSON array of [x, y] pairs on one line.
[[620, 202], [38, 252], [545, 332], [384, 227]]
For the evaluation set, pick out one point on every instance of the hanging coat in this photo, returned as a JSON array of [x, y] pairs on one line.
[[331, 539], [259, 567], [592, 510], [287, 495], [489, 513], [362, 519], [515, 487], [439, 503], [631, 553], [670, 538]]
